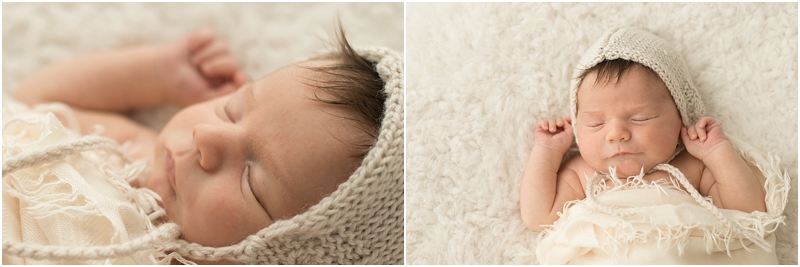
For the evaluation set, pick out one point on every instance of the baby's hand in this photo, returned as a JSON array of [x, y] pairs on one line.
[[199, 67], [703, 138], [554, 134]]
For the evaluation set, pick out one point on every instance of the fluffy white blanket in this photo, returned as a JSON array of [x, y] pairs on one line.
[[480, 75]]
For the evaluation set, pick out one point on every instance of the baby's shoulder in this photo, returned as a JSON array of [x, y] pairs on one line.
[[578, 165], [688, 164]]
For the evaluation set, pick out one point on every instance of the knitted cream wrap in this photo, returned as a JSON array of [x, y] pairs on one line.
[[359, 223], [649, 50]]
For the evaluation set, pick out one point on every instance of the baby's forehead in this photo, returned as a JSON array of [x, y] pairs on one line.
[[643, 77], [616, 71]]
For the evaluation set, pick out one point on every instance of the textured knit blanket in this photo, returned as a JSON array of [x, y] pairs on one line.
[[481, 75]]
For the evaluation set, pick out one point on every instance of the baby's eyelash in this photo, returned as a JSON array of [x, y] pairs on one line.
[[644, 119], [247, 176]]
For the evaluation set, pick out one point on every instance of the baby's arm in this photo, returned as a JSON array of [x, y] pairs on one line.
[[101, 86], [119, 81], [192, 69], [545, 188], [726, 178]]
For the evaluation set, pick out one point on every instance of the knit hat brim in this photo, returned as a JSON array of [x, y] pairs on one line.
[[651, 51]]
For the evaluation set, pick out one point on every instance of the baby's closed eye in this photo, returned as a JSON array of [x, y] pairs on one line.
[[594, 124], [643, 118]]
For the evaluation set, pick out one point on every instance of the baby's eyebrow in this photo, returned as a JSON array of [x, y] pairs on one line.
[[592, 112]]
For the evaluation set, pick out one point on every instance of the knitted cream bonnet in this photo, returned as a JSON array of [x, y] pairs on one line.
[[649, 50], [361, 222]]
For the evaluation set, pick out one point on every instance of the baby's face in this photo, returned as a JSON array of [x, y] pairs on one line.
[[229, 167], [631, 124]]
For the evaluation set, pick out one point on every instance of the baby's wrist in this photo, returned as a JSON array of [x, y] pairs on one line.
[[151, 78], [551, 149], [168, 65], [719, 153], [546, 157]]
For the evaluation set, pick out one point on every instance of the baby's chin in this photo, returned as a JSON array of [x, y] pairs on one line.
[[628, 167]]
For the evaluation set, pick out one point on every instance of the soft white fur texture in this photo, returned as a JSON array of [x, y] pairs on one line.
[[480, 75], [263, 37]]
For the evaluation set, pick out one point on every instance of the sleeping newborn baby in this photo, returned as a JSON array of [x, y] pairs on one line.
[[633, 108], [240, 155]]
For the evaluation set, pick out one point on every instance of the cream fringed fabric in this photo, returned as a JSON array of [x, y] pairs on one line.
[[67, 192], [640, 222], [359, 223]]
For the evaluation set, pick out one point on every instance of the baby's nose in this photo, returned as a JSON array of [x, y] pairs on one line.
[[618, 133], [209, 142]]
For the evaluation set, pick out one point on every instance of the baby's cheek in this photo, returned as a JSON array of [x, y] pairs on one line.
[[218, 222]]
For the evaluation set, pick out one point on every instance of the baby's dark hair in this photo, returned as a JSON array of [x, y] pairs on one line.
[[610, 70], [356, 85]]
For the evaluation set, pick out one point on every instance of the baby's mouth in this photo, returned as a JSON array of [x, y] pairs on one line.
[[620, 154]]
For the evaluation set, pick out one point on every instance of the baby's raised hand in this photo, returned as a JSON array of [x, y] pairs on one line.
[[198, 68], [554, 134], [703, 138]]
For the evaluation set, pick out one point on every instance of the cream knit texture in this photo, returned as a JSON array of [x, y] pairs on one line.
[[359, 223], [649, 50]]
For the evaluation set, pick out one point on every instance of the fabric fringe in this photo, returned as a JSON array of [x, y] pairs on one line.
[[49, 195], [717, 237], [42, 203]]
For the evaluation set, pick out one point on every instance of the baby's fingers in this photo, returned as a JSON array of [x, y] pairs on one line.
[[200, 38], [701, 132], [543, 125], [553, 126], [224, 67], [568, 127], [548, 125], [211, 51], [691, 132]]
